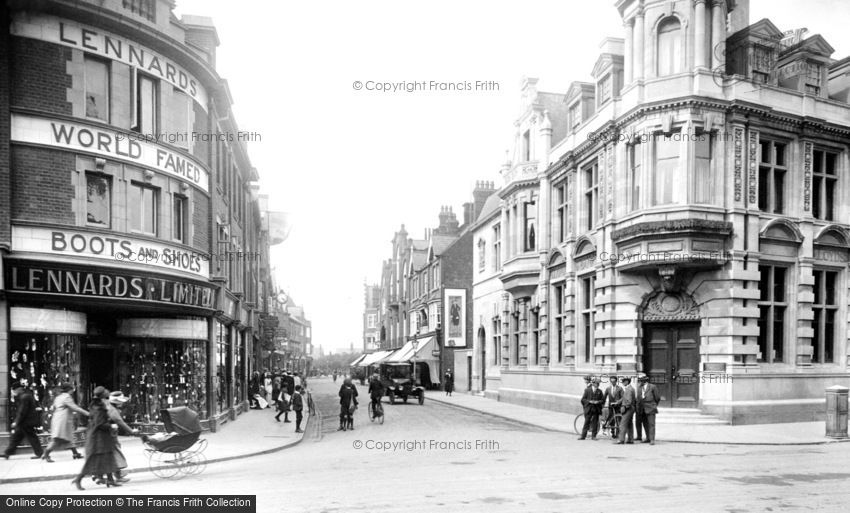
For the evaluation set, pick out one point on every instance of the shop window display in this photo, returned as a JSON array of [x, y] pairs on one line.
[[158, 374], [41, 363]]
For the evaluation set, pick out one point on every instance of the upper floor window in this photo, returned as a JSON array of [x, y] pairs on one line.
[[703, 184], [143, 208], [591, 194], [98, 200], [144, 8], [575, 114], [561, 212], [667, 149], [497, 247], [825, 176], [97, 88], [529, 235], [603, 90], [179, 218], [180, 117], [772, 169], [146, 104], [635, 177], [669, 47], [482, 257], [813, 78], [497, 341], [762, 63], [773, 305]]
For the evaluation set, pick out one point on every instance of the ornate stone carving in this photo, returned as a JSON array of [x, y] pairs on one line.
[[739, 164], [609, 179], [807, 176], [752, 168], [667, 306]]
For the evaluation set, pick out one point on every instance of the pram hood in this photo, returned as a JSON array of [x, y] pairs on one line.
[[181, 420]]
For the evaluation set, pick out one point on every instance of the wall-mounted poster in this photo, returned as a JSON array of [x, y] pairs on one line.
[[455, 317]]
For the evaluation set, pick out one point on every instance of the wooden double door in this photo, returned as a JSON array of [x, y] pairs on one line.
[[671, 360]]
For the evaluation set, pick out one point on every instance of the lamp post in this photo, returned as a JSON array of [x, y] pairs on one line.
[[415, 344]]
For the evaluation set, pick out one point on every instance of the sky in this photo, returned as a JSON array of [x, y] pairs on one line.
[[351, 166]]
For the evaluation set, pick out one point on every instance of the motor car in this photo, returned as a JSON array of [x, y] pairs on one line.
[[397, 379]]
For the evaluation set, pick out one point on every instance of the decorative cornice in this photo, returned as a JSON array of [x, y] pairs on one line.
[[703, 226]]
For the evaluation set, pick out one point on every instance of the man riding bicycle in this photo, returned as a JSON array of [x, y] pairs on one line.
[[376, 392]]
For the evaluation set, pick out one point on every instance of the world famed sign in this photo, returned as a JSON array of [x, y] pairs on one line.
[[76, 282], [115, 248], [110, 144]]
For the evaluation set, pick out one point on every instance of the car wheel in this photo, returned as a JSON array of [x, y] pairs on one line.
[[421, 397], [392, 397]]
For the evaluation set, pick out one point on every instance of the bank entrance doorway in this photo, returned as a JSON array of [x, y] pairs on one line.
[[671, 360]]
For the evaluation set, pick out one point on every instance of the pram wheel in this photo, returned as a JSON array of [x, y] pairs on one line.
[[165, 465], [195, 464]]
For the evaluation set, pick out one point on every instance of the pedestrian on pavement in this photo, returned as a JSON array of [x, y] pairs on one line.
[[275, 390], [311, 406], [100, 446], [614, 397], [62, 423], [587, 380], [450, 382], [116, 401], [628, 409], [267, 388], [254, 390], [27, 419], [334, 376], [347, 405], [592, 402], [647, 406], [283, 405], [296, 379], [298, 406]]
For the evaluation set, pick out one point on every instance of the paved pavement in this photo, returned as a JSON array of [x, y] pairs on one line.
[[796, 433], [253, 433]]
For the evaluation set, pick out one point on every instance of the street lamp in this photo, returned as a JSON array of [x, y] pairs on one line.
[[415, 343]]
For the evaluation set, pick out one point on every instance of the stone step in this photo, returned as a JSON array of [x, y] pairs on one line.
[[687, 416]]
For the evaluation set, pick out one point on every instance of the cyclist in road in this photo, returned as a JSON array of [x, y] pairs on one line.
[[376, 392]]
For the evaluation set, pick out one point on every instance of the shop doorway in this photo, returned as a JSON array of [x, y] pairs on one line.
[[98, 369], [671, 360]]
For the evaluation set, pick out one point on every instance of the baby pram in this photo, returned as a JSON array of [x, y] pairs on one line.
[[180, 450]]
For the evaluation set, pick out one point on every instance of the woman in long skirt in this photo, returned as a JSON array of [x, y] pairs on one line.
[[62, 423], [100, 444]]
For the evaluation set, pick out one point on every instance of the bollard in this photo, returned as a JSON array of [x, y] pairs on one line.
[[836, 411]]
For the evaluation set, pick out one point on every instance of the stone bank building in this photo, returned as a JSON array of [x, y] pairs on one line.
[[684, 213], [133, 250]]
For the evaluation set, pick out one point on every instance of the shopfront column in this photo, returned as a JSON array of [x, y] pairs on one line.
[[638, 57], [212, 379]]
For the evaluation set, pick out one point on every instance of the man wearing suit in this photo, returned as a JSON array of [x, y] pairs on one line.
[[647, 406], [27, 419], [628, 409], [613, 395], [592, 402]]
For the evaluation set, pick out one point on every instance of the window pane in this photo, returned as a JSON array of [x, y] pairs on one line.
[[181, 118], [828, 206], [779, 149], [666, 166], [829, 337], [97, 89], [704, 187], [762, 338], [149, 210], [829, 285], [817, 288], [816, 206], [765, 151], [816, 336], [147, 105], [831, 159], [779, 284], [764, 282], [134, 207], [179, 216], [98, 199], [779, 191], [778, 333]]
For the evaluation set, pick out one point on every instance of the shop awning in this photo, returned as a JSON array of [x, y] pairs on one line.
[[423, 351], [358, 360], [373, 358]]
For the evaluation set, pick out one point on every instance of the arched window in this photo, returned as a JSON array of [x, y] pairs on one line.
[[669, 57]]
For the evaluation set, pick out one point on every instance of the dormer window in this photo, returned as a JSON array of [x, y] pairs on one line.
[[144, 8], [575, 114], [669, 47], [762, 63], [603, 90], [813, 78]]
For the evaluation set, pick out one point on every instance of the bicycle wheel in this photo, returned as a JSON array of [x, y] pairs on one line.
[[578, 423], [371, 413], [380, 414]]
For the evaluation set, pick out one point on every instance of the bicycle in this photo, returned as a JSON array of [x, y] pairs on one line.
[[376, 411], [610, 428]]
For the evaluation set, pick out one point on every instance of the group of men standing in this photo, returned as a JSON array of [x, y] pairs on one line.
[[640, 405]]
